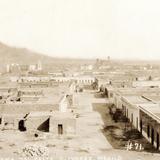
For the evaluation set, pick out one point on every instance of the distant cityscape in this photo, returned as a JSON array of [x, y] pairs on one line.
[[41, 105]]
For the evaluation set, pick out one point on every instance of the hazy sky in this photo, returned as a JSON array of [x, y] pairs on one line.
[[83, 28]]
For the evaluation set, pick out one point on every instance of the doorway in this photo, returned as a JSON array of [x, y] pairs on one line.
[[152, 137], [21, 126], [60, 129], [132, 118], [137, 123], [157, 141], [141, 125], [148, 130]]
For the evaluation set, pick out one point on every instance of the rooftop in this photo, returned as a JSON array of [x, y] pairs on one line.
[[36, 114], [138, 91], [152, 110], [39, 114], [133, 99], [50, 95], [154, 98]]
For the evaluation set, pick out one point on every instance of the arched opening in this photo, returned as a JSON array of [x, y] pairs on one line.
[[21, 126]]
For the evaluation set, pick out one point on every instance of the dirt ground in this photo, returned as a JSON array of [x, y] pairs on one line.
[[119, 133], [88, 141]]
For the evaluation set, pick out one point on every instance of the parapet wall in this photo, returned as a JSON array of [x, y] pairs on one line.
[[27, 108]]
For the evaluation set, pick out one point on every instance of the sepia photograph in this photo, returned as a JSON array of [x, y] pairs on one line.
[[79, 80]]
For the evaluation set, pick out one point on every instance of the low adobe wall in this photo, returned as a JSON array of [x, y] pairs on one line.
[[27, 108]]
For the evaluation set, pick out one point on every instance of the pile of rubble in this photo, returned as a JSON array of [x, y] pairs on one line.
[[35, 151]]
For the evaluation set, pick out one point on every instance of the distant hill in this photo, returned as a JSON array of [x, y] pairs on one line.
[[20, 55], [10, 55]]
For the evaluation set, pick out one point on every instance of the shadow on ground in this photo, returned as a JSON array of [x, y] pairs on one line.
[[117, 134]]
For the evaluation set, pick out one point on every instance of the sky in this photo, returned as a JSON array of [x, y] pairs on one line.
[[83, 28]]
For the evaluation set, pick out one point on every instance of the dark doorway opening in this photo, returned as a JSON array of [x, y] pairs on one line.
[[137, 122], [148, 130], [44, 127], [132, 118], [60, 129], [157, 141], [152, 137], [21, 126], [127, 113], [106, 92], [141, 126]]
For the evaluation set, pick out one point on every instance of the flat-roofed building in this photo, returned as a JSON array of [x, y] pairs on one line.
[[11, 121], [63, 124], [119, 92], [30, 94], [130, 108], [147, 83], [150, 123], [142, 108], [34, 108], [87, 80], [54, 122]]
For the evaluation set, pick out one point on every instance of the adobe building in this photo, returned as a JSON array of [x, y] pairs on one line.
[[45, 109], [130, 108], [31, 81], [54, 122], [30, 94], [14, 67], [150, 123], [142, 108], [147, 83], [119, 92], [63, 123], [10, 121], [85, 80]]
